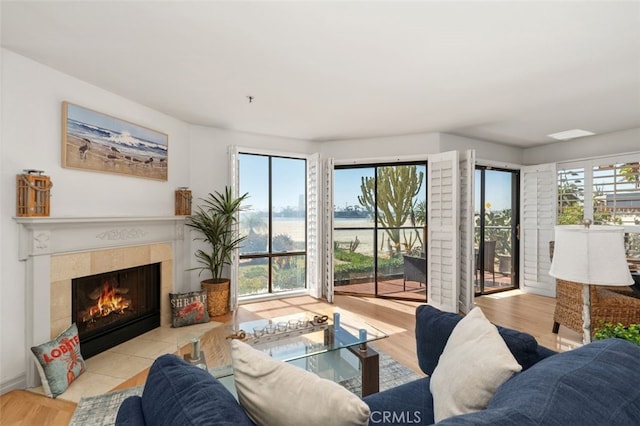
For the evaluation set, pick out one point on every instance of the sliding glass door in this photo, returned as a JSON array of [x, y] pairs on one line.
[[496, 229], [379, 230]]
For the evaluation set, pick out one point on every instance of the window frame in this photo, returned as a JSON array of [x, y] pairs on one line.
[[270, 254], [588, 188], [376, 227]]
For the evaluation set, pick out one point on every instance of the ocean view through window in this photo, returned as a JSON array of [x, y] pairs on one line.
[[273, 257], [379, 234]]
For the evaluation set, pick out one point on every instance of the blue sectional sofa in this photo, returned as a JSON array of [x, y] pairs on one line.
[[597, 384], [178, 393]]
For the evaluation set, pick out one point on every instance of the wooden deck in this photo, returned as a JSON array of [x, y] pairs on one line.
[[414, 290], [397, 288]]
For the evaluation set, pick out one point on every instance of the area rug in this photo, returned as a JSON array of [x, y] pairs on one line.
[[101, 410]]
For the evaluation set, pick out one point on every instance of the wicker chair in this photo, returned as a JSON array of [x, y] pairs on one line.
[[608, 304]]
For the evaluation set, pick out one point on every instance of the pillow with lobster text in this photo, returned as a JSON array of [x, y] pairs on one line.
[[59, 361], [188, 308]]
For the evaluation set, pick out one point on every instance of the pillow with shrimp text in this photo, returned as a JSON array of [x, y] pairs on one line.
[[188, 308], [59, 361]]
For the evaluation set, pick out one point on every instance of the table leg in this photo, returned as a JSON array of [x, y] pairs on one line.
[[370, 363]]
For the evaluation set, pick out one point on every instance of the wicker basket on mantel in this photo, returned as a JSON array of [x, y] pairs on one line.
[[217, 296]]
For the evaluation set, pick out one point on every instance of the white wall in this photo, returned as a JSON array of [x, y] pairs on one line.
[[5, 344], [588, 147], [416, 146], [485, 150], [389, 147], [31, 138]]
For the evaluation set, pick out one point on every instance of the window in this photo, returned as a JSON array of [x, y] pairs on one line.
[[379, 236], [496, 225], [273, 257], [605, 190], [570, 196]]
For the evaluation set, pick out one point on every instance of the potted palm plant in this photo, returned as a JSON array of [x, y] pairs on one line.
[[215, 220]]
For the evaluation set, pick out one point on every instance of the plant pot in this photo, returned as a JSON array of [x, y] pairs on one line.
[[217, 296]]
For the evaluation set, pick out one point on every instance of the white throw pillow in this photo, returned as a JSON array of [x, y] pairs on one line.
[[474, 363], [276, 393]]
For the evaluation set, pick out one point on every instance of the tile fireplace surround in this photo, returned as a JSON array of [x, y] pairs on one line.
[[56, 250]]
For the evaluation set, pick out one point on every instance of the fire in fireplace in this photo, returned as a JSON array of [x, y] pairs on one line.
[[114, 307], [110, 301]]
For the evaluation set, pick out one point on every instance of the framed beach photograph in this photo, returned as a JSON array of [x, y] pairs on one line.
[[101, 143]]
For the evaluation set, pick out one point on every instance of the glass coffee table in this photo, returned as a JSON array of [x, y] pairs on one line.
[[332, 346]]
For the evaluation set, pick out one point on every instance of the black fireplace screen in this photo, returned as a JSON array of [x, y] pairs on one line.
[[114, 307]]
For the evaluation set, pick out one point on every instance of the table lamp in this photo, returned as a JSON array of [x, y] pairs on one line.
[[590, 255]]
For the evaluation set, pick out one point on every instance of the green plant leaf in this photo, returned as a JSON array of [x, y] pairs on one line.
[[608, 330], [216, 221]]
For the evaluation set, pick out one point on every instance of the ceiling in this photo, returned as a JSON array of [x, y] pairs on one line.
[[510, 72]]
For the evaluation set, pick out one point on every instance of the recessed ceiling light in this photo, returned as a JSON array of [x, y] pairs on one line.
[[570, 134]]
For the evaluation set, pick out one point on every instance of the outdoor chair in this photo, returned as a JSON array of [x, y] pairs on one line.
[[415, 269], [489, 259]]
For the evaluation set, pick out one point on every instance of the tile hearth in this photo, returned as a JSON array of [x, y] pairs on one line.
[[114, 366]]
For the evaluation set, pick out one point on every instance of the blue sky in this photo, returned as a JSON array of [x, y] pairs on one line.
[[288, 176], [497, 192], [347, 186]]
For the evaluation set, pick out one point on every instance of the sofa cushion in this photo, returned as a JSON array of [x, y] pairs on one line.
[[409, 403], [433, 328], [277, 393], [474, 362], [130, 412], [507, 416], [596, 384], [177, 393]]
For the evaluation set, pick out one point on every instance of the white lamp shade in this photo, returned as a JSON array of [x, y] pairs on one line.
[[593, 255]]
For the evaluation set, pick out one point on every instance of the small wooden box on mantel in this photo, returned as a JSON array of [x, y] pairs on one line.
[[33, 192], [183, 201]]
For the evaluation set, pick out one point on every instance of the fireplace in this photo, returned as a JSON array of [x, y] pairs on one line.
[[58, 250], [113, 307]]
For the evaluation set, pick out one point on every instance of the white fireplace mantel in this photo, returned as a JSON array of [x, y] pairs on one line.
[[52, 235], [41, 238]]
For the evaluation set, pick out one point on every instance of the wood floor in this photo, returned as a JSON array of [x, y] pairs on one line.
[[514, 309]]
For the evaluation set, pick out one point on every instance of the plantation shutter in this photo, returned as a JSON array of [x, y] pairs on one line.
[[314, 278], [234, 179], [327, 235], [538, 218], [443, 233], [467, 254]]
